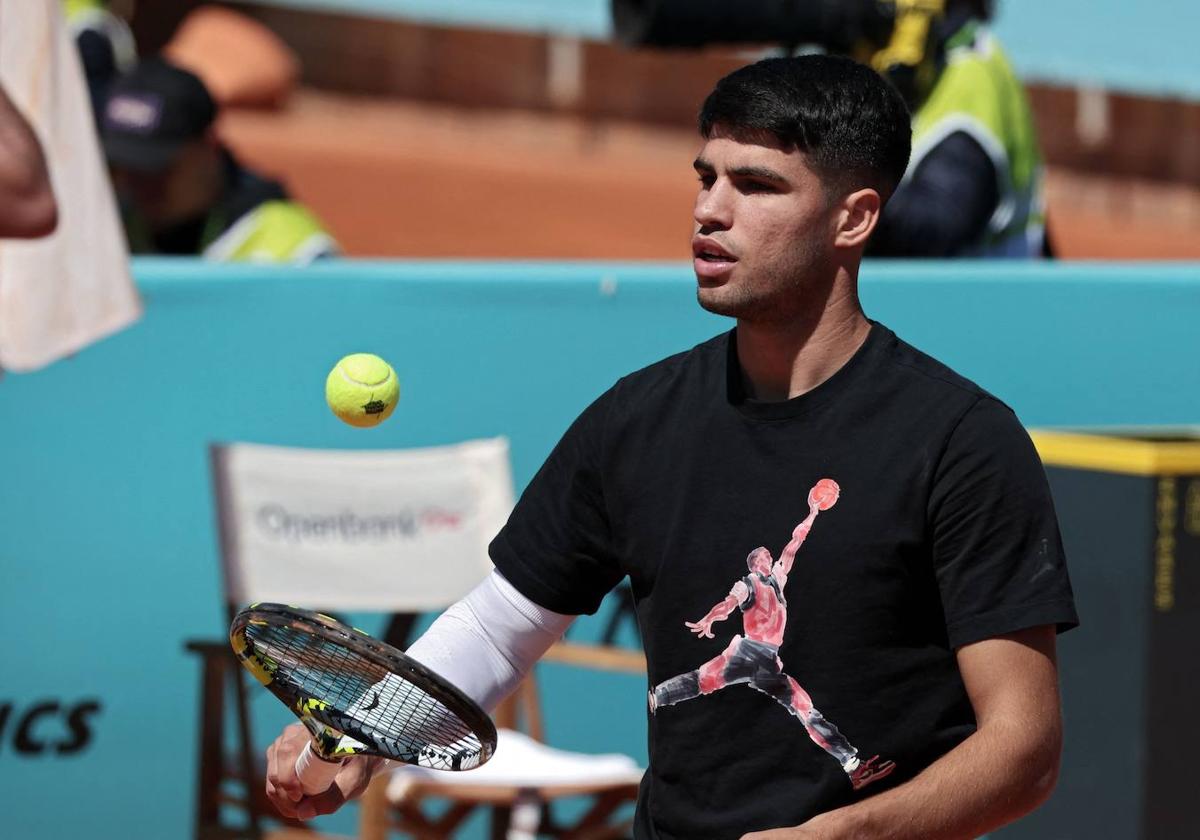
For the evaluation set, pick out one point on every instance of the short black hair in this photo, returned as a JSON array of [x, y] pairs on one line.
[[850, 122]]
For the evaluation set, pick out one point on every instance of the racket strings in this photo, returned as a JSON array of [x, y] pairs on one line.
[[403, 703], [363, 700]]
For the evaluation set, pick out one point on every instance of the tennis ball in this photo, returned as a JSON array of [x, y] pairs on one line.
[[362, 390]]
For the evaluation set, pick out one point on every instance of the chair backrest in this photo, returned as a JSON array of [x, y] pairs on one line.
[[400, 531]]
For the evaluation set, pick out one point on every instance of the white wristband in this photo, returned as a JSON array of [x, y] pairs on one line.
[[315, 773]]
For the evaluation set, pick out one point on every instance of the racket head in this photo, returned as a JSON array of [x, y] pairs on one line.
[[358, 695]]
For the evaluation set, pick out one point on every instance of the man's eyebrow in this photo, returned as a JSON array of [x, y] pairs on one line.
[[762, 172], [758, 172]]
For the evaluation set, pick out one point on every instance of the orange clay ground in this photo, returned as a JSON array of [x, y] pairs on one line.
[[403, 179]]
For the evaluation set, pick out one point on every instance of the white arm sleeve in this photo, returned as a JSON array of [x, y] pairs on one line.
[[488, 641]]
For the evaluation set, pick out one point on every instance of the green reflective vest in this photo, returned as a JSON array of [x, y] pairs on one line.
[[278, 231], [978, 93]]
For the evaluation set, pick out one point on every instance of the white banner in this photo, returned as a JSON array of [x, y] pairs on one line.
[[391, 530]]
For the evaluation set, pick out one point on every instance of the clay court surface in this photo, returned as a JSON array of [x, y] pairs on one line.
[[398, 178]]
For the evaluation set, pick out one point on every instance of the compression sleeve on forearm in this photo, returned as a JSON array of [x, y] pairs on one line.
[[488, 641]]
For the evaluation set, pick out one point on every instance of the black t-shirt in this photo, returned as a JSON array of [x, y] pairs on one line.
[[943, 534]]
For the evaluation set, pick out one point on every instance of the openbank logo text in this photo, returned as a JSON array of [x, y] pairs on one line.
[[349, 527]]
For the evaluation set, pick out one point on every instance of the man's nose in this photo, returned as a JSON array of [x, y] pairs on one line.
[[713, 210]]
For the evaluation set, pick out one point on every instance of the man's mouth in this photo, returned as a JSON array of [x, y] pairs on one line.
[[710, 252]]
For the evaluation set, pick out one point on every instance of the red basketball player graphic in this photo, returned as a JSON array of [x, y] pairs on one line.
[[754, 659]]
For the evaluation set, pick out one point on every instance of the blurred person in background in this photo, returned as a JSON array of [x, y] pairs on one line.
[[182, 191], [974, 185], [106, 46], [27, 205]]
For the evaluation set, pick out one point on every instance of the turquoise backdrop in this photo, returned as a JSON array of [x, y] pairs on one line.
[[107, 545]]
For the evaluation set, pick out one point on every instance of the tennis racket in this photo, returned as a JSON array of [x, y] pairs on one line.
[[357, 695]]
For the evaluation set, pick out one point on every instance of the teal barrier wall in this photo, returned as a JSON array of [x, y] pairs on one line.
[[107, 545]]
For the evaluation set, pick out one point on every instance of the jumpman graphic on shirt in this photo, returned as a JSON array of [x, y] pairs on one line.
[[754, 659]]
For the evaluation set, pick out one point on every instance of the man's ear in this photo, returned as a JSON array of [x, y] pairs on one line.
[[855, 217]]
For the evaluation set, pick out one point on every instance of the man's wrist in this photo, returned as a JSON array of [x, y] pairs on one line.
[[843, 824]]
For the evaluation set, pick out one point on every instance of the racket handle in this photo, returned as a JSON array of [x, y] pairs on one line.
[[315, 773]]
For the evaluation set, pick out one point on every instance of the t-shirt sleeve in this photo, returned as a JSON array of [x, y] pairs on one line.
[[997, 551], [556, 547]]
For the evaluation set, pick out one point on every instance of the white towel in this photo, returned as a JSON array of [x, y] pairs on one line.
[[520, 761], [62, 292]]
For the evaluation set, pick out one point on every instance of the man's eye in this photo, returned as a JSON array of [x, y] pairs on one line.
[[706, 180]]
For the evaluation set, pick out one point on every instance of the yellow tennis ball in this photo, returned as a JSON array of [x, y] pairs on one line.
[[362, 390]]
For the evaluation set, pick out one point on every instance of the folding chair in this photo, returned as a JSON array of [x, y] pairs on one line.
[[395, 531], [522, 781]]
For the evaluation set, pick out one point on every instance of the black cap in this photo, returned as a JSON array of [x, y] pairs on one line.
[[152, 112]]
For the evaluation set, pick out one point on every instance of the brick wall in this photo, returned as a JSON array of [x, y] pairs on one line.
[[1081, 129]]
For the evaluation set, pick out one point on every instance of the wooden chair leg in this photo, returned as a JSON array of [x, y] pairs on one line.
[[595, 823], [212, 715], [245, 758], [531, 709], [454, 816], [414, 821], [501, 818], [373, 811]]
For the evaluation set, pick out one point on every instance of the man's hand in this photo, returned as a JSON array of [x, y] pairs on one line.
[[703, 627], [815, 829], [283, 787], [1005, 769]]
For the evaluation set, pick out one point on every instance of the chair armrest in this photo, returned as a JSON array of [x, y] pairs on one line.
[[208, 647], [604, 657]]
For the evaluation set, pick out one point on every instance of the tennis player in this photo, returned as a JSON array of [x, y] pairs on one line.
[[922, 610]]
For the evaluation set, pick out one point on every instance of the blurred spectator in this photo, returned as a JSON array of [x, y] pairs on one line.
[[974, 184], [106, 45], [183, 192], [27, 206]]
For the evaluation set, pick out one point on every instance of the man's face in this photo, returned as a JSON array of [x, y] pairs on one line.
[[763, 229], [184, 190]]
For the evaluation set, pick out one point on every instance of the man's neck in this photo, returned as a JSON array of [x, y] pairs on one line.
[[784, 360]]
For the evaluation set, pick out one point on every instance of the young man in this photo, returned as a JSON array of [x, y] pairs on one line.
[[923, 608]]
